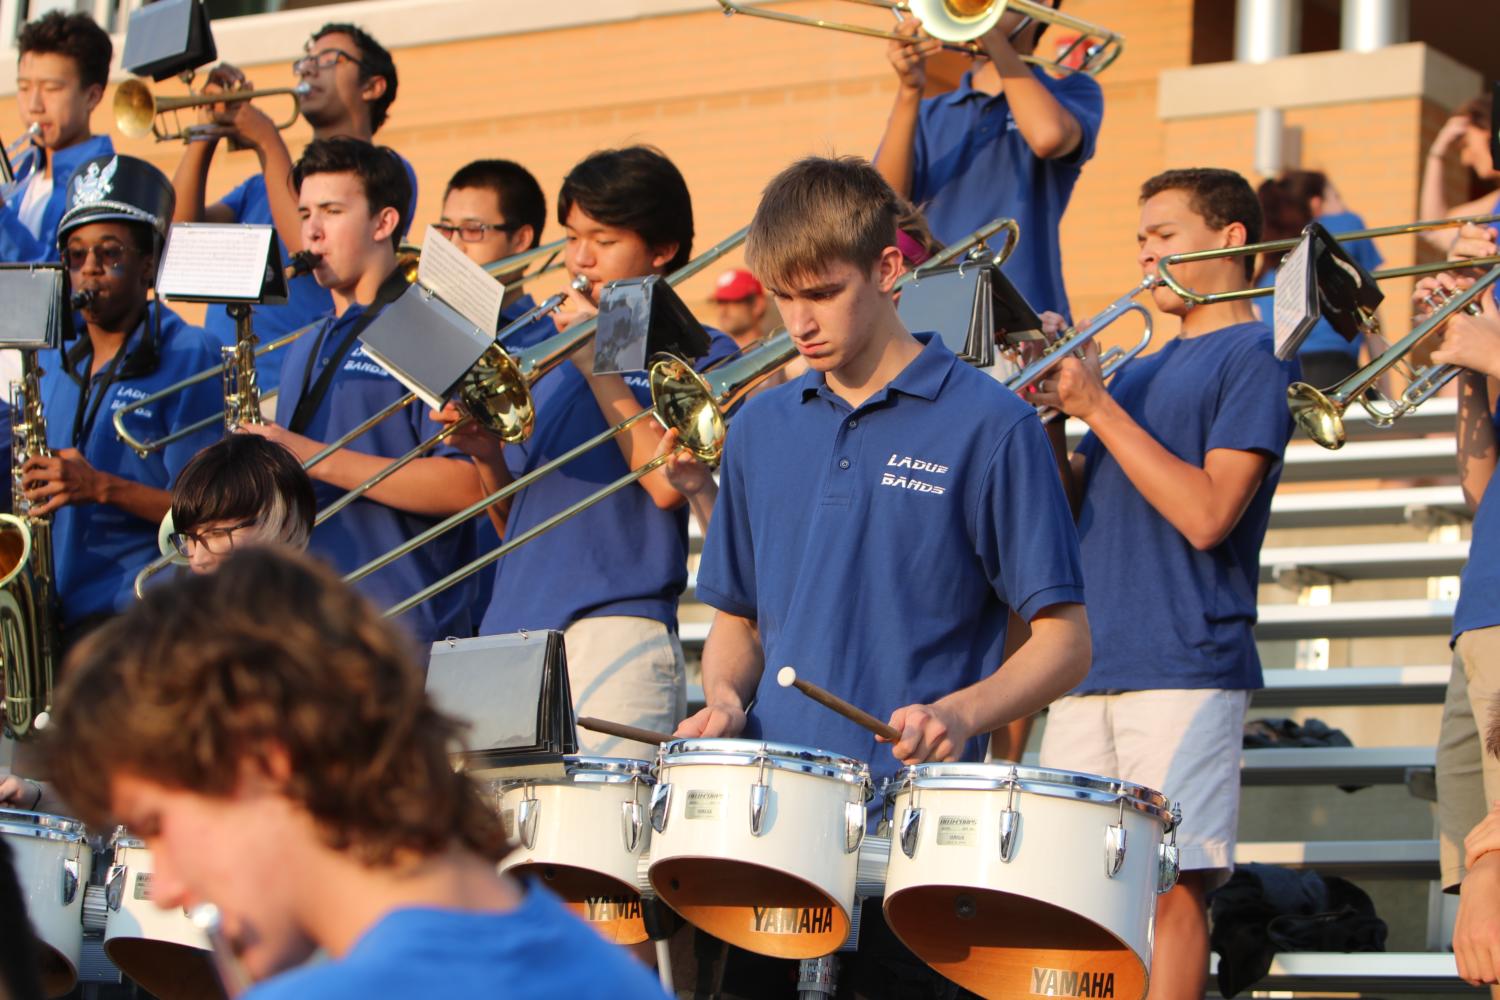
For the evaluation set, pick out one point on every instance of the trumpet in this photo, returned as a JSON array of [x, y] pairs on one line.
[[957, 23], [682, 399], [26, 146], [1320, 412], [137, 110], [1074, 338]]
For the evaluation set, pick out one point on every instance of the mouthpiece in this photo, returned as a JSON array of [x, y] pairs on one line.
[[580, 283], [303, 261], [786, 676], [82, 299]]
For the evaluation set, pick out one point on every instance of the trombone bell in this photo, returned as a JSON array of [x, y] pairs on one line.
[[1319, 416], [958, 20]]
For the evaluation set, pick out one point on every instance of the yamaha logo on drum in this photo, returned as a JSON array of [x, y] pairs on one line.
[[604, 909], [793, 919], [1071, 983]]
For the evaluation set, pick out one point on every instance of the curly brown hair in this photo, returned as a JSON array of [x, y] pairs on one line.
[[272, 653], [1219, 196]]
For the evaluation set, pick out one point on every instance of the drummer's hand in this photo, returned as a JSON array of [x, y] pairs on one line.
[[928, 732], [713, 721], [1483, 839], [22, 793]]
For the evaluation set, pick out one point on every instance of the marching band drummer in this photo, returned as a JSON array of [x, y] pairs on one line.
[[1173, 490], [609, 578], [267, 734], [351, 81], [106, 499], [350, 195], [876, 519]]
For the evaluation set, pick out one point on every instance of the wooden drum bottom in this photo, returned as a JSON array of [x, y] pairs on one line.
[[609, 906], [751, 906]]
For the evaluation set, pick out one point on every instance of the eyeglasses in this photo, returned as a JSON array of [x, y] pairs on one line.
[[473, 232], [216, 541], [107, 254], [322, 62]]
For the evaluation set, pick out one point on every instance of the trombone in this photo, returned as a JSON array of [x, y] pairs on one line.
[[696, 405], [1320, 412], [137, 110], [957, 23]]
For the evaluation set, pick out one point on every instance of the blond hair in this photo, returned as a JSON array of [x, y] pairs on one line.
[[817, 212]]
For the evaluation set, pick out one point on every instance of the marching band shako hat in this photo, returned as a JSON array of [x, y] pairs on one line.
[[115, 188]]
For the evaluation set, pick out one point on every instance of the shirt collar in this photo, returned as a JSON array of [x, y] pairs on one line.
[[922, 378], [65, 161], [141, 350]]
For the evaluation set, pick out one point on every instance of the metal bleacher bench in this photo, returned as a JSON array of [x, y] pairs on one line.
[[1382, 458], [1355, 619], [1375, 972], [1378, 561], [1336, 509]]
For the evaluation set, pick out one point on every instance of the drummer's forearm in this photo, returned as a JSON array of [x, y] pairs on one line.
[[1047, 666], [732, 661]]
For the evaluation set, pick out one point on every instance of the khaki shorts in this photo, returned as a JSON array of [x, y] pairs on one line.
[[626, 670], [1184, 743], [1468, 779]]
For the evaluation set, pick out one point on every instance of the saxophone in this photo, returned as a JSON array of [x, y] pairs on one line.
[[30, 644]]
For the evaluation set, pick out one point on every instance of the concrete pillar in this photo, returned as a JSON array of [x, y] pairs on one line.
[[1368, 25], [1266, 29]]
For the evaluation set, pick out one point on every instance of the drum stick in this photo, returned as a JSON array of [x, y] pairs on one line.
[[624, 732], [787, 677]]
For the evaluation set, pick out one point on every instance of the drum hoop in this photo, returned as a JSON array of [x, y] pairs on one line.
[[778, 756], [41, 826], [1045, 782], [581, 770]]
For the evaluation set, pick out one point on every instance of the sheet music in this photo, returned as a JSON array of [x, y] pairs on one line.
[[206, 261], [460, 282], [1291, 311]]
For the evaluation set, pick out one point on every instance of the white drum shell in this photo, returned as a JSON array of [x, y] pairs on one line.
[[42, 864], [138, 916], [580, 824]]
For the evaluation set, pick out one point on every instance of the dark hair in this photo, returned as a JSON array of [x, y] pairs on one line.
[[75, 36], [636, 188], [246, 478], [520, 196], [1479, 110], [819, 211], [374, 60], [379, 168], [1286, 209], [271, 654], [1220, 197]]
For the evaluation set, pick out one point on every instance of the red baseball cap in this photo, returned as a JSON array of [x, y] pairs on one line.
[[735, 285]]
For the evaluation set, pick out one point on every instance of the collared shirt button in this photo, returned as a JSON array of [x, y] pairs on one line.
[[843, 463], [853, 423]]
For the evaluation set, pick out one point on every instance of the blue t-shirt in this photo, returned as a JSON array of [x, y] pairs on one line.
[[1479, 587], [970, 164], [306, 300], [1324, 339], [17, 245], [538, 950], [879, 549], [1164, 614], [99, 548], [366, 529], [622, 556]]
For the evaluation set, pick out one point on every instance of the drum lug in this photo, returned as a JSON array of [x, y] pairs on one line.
[[759, 793], [632, 821], [527, 812], [854, 826], [115, 885], [1170, 858], [1010, 829], [1114, 845], [661, 802], [911, 824], [69, 880]]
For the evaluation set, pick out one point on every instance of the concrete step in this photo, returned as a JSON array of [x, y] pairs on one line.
[[1286, 688], [1355, 619], [1380, 973], [1341, 508], [1375, 561], [1397, 458], [1353, 859]]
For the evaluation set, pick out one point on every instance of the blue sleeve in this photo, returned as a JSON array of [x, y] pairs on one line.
[[1083, 99], [1250, 413], [17, 245], [1023, 529], [726, 572], [191, 405], [235, 200], [920, 183], [720, 346]]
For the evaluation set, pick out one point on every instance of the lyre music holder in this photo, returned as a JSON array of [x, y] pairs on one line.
[[168, 38], [33, 317], [968, 305], [1317, 280], [640, 318]]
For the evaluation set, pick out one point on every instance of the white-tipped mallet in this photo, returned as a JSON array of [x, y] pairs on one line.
[[787, 677]]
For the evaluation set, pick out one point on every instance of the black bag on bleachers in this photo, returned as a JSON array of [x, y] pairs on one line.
[[1264, 909]]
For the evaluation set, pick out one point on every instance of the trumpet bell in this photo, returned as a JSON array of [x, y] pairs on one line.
[[683, 399], [497, 395], [1317, 414], [958, 20], [134, 108]]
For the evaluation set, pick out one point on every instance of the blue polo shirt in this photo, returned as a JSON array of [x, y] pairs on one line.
[[17, 245], [1479, 587], [366, 529], [1324, 339], [970, 164], [306, 300], [1164, 614], [99, 548], [879, 549], [622, 556]]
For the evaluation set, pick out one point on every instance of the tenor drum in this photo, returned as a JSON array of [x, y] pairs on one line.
[[1020, 881], [758, 843], [52, 860], [160, 949], [583, 837]]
